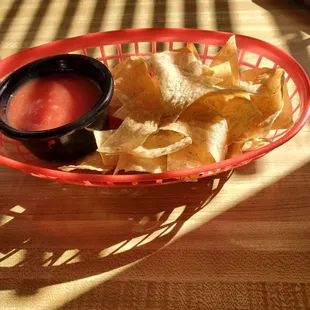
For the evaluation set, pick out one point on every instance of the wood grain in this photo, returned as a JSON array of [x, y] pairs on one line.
[[237, 241]]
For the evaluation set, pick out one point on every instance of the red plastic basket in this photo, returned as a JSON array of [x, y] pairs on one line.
[[112, 47]]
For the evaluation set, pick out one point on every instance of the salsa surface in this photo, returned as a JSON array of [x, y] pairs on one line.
[[52, 101]]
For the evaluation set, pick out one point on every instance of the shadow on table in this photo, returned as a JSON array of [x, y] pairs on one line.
[[223, 13], [67, 18], [10, 16], [291, 18], [96, 20], [62, 233], [255, 255]]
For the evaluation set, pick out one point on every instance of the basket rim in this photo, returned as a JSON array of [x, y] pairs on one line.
[[136, 178]]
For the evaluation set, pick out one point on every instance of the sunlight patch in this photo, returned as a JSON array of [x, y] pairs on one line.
[[108, 251], [4, 219], [153, 236], [18, 209], [13, 259], [68, 257], [174, 215], [131, 244]]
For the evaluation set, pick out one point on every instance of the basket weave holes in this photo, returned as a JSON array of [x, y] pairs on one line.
[[294, 99], [145, 48], [94, 52], [128, 49], [177, 45], [162, 46], [212, 51], [266, 63], [110, 51], [248, 59], [112, 63]]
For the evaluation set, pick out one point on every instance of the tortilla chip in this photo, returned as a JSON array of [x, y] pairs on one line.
[[234, 150], [207, 71], [240, 114], [190, 157], [229, 53], [107, 159], [91, 162], [132, 80], [256, 75], [248, 87], [219, 99], [189, 48], [132, 133], [258, 130], [102, 136], [193, 49], [138, 105], [118, 68], [162, 143], [122, 112], [223, 71], [255, 144], [285, 118], [206, 127], [148, 99], [132, 65], [179, 86], [269, 101], [212, 138], [198, 111], [128, 162], [186, 59]]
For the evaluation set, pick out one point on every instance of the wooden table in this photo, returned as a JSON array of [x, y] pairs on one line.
[[240, 241]]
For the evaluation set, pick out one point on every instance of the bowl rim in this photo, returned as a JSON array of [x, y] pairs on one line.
[[82, 122]]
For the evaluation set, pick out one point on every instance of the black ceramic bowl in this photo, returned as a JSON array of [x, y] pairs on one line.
[[73, 140]]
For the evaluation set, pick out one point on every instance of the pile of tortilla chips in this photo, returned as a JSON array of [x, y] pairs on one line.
[[187, 114]]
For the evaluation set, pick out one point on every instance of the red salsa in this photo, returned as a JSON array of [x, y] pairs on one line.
[[52, 101]]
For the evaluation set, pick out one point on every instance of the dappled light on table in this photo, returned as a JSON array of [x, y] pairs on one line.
[[103, 227]]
